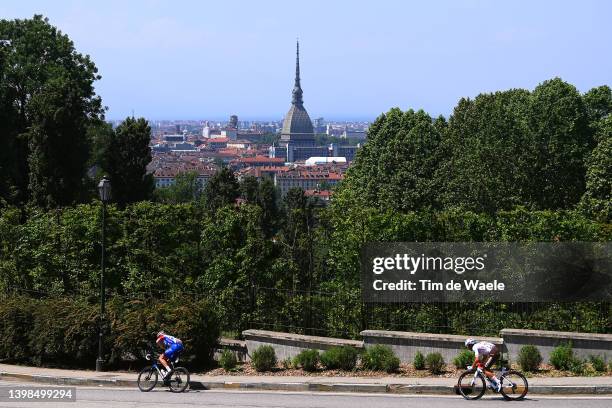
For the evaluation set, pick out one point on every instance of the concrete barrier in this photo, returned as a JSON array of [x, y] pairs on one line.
[[406, 344], [238, 347], [287, 345], [584, 344]]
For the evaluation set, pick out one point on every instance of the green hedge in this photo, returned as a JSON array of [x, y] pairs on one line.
[[264, 358], [529, 358], [343, 358], [64, 331], [464, 359], [307, 359], [380, 357]]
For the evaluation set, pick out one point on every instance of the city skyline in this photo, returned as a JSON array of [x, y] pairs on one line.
[[191, 61]]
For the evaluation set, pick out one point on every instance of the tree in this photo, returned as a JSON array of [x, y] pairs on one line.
[[267, 199], [222, 189], [597, 199], [394, 168], [598, 103], [125, 158], [485, 153], [563, 139], [47, 100], [249, 188], [186, 188]]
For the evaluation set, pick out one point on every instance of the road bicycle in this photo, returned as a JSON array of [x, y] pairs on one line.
[[177, 380], [473, 384]]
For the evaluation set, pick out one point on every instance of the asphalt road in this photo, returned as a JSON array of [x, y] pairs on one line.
[[89, 397]]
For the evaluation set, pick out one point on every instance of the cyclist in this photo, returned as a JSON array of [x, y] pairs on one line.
[[486, 354], [173, 347]]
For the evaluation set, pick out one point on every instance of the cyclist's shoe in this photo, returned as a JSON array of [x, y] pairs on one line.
[[495, 385]]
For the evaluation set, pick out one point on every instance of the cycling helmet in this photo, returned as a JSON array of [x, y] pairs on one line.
[[160, 335], [469, 342]]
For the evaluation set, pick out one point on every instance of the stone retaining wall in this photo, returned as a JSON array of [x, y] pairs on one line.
[[584, 344], [406, 344], [238, 347], [287, 345]]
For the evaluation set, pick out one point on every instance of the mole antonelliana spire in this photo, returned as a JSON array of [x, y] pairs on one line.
[[297, 127], [297, 88]]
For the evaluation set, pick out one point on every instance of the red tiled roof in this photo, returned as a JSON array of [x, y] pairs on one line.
[[261, 159], [318, 193]]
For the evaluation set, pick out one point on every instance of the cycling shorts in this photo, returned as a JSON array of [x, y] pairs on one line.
[[173, 351]]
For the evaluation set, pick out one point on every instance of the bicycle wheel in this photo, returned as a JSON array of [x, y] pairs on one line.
[[147, 379], [514, 386], [179, 379], [470, 386]]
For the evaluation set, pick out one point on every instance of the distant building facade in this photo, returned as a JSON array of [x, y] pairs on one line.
[[297, 141]]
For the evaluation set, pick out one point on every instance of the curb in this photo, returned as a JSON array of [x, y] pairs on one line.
[[307, 387]]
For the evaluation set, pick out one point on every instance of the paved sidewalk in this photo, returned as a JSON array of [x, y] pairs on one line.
[[400, 385]]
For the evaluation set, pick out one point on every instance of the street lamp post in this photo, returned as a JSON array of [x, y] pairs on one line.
[[104, 189]]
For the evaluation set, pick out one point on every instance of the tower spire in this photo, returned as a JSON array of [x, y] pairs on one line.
[[297, 88]]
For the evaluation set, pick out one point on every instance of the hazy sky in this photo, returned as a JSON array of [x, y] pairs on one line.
[[209, 59]]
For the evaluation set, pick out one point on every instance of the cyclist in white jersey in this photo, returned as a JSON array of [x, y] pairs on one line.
[[485, 355]]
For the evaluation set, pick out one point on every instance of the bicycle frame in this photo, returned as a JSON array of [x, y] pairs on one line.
[[156, 365], [502, 377]]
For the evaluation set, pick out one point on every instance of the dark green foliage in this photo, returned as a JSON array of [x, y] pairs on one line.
[[486, 136], [195, 322], [597, 199], [419, 361], [598, 102], [562, 357], [15, 325], [407, 144], [221, 190], [65, 331], [228, 360], [529, 358], [562, 137], [186, 188], [287, 363], [47, 102], [434, 363], [598, 363], [342, 358], [464, 359], [248, 189], [380, 358], [125, 158], [497, 151], [577, 366], [263, 358], [307, 359]]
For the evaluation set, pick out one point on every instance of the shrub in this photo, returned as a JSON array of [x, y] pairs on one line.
[[135, 323], [434, 363], [419, 361], [529, 358], [464, 359], [381, 358], [15, 323], [228, 360], [598, 363], [264, 358], [287, 364], [577, 366], [562, 356], [307, 359], [62, 330], [343, 358]]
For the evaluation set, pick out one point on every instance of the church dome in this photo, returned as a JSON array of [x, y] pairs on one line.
[[297, 121]]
